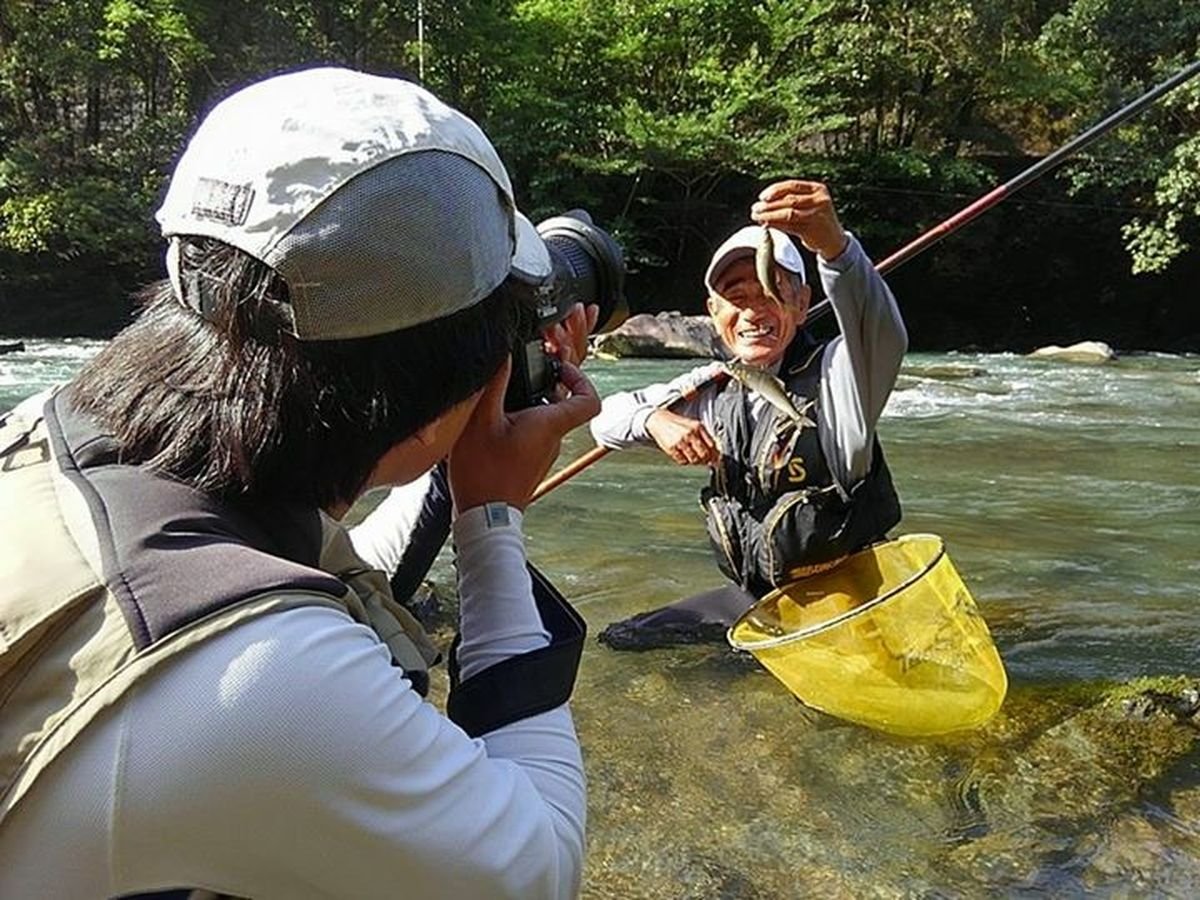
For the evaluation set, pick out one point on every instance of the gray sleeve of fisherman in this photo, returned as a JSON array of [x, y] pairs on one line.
[[622, 420], [860, 365]]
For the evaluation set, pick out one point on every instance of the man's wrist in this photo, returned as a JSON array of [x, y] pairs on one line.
[[835, 249], [641, 423], [845, 259]]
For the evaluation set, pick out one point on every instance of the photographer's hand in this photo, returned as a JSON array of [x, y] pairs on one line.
[[568, 339], [502, 456]]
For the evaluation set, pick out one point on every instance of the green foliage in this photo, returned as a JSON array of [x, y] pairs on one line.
[[1115, 50], [135, 29], [663, 115]]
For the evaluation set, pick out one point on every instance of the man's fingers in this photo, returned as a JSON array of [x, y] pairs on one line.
[[790, 186], [492, 401], [792, 201], [801, 206], [575, 323], [567, 339], [578, 384], [792, 205], [783, 218]]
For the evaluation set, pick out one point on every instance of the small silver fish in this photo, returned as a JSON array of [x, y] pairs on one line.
[[764, 265], [770, 389]]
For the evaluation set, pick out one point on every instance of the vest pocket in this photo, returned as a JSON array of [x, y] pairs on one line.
[[724, 533], [804, 532], [777, 467]]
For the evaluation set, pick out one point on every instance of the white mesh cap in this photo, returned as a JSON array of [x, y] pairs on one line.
[[744, 242], [380, 205]]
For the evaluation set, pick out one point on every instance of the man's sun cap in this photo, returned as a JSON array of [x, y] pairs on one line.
[[381, 206], [744, 242]]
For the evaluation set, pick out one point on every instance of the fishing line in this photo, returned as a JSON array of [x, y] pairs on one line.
[[959, 195]]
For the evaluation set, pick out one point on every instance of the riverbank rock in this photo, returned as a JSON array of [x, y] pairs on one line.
[[943, 371], [1084, 351], [1048, 794], [666, 335]]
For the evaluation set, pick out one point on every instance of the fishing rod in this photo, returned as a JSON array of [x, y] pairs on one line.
[[948, 227], [1010, 187]]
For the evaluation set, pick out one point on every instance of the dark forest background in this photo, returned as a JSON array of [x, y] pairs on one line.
[[663, 118]]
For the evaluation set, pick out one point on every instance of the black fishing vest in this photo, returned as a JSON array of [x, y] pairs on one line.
[[773, 509]]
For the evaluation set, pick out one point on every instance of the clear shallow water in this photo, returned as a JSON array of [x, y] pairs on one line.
[[1068, 496], [1069, 499], [41, 364]]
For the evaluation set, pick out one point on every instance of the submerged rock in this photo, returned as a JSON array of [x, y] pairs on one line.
[[666, 335], [1084, 351], [1051, 792], [944, 371], [1144, 698]]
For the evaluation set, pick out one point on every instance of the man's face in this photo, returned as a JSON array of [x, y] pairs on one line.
[[755, 328]]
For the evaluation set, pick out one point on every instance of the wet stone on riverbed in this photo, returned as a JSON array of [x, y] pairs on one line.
[[1037, 801]]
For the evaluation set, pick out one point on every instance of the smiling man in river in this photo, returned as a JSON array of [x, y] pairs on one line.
[[784, 499]]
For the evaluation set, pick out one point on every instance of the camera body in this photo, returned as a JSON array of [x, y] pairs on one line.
[[587, 266]]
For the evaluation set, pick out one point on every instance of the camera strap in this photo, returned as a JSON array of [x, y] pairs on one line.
[[523, 685]]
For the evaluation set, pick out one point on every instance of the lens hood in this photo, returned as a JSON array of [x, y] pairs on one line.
[[576, 226]]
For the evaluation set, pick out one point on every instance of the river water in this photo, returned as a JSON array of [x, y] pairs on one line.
[[1069, 499]]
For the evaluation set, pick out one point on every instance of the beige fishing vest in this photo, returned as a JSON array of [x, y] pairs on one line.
[[68, 646]]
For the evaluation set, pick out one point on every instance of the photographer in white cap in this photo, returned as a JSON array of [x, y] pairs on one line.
[[789, 494], [202, 687]]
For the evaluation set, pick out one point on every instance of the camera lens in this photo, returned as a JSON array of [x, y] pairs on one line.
[[589, 266], [574, 270]]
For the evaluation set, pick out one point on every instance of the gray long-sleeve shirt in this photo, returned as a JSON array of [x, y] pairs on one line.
[[858, 371]]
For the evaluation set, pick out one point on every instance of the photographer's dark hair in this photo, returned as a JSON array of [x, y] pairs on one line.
[[234, 405]]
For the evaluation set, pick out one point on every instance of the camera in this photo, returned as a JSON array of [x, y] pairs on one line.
[[587, 266]]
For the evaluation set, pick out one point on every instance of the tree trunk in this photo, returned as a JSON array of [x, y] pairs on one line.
[[152, 86], [91, 124]]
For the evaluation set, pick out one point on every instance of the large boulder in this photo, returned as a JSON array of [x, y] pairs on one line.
[[668, 334], [1084, 351]]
